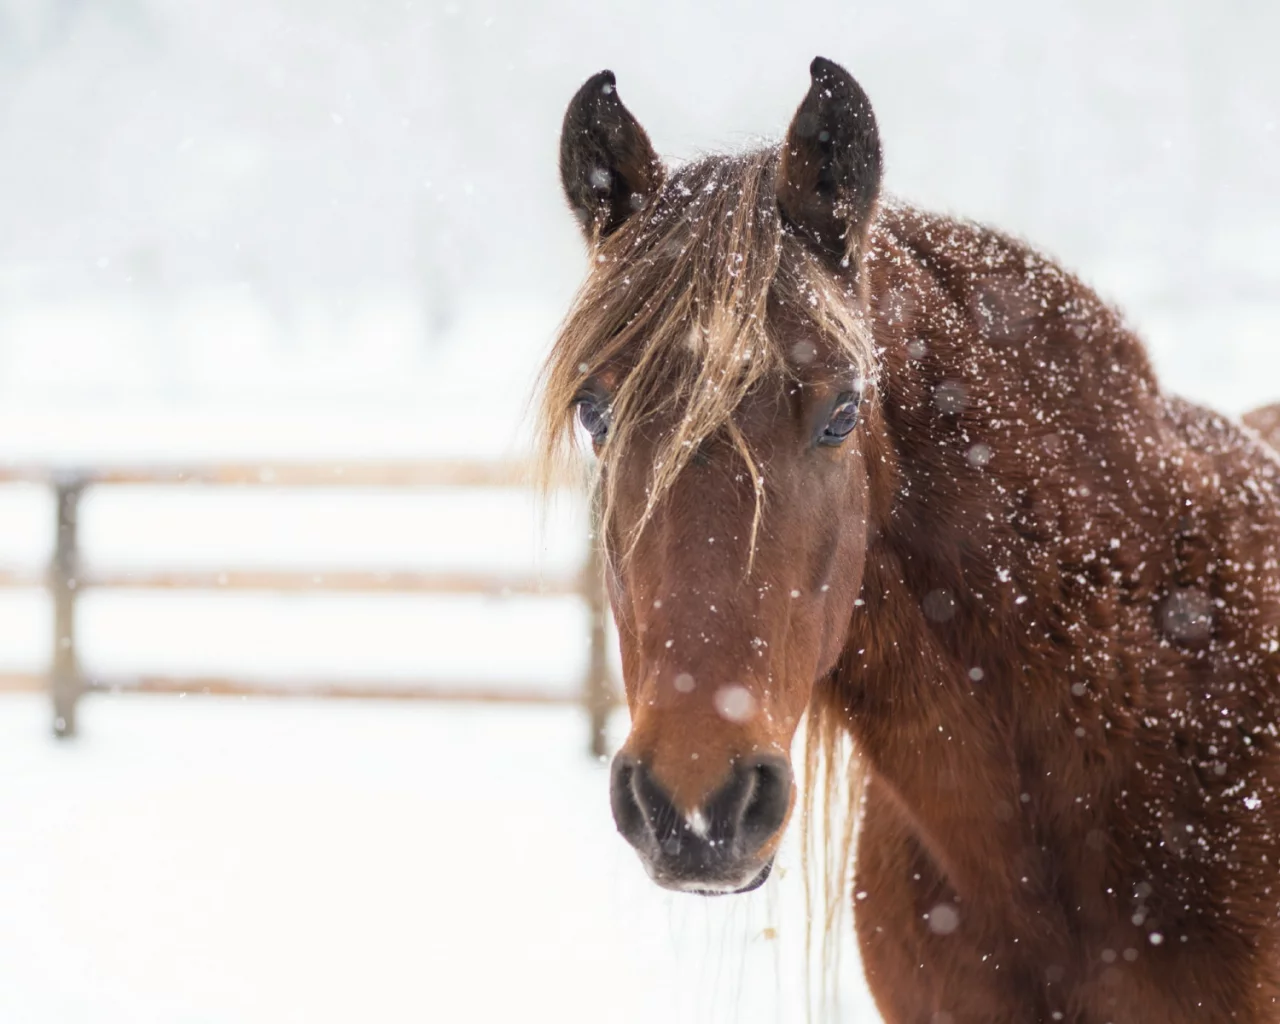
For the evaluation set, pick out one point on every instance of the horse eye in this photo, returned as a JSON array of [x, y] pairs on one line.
[[594, 418], [844, 417]]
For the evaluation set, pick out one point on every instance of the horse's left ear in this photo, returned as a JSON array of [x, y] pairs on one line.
[[607, 165], [830, 169]]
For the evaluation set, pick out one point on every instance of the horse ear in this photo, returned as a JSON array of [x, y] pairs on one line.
[[830, 169], [607, 165]]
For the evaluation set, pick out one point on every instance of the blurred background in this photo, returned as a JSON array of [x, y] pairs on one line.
[[251, 245]]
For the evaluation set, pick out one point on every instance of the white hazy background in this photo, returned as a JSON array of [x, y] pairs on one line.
[[276, 228]]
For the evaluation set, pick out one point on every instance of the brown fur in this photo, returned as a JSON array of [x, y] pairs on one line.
[[1060, 669], [1112, 569], [1266, 421]]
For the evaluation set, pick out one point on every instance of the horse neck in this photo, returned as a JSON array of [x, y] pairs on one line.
[[999, 466]]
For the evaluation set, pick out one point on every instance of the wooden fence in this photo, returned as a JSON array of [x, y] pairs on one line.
[[66, 578]]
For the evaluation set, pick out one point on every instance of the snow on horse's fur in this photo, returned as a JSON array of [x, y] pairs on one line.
[[1041, 596]]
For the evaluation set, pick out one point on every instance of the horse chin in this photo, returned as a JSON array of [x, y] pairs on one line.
[[702, 888]]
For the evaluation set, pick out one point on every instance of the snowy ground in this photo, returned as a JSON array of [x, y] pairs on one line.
[[199, 860]]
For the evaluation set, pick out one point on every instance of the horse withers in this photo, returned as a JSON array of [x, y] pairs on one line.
[[907, 476]]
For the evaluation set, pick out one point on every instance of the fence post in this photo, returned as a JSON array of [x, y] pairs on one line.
[[597, 691], [65, 683]]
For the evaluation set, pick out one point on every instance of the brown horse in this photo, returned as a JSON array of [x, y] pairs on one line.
[[907, 475]]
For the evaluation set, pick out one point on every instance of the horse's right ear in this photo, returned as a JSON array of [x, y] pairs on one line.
[[830, 169], [607, 165]]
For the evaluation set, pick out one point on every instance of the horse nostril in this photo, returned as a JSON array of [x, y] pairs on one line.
[[766, 799], [740, 819], [627, 812]]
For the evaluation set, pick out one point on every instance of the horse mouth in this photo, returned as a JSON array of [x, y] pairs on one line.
[[762, 876], [703, 888]]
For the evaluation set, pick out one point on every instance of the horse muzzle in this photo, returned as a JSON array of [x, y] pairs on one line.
[[725, 845]]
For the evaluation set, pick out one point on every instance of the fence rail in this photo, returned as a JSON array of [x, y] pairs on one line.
[[66, 578], [373, 474]]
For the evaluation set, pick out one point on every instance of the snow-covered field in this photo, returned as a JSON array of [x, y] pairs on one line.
[[199, 860]]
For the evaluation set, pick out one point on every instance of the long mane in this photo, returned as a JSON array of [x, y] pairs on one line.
[[679, 309]]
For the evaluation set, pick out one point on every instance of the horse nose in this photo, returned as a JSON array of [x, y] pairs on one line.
[[710, 842]]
